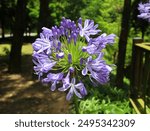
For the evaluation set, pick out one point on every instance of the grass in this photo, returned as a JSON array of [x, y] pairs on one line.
[[5, 49]]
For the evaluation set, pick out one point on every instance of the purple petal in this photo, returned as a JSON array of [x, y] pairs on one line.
[[59, 46], [73, 81], [70, 94], [55, 77], [71, 69], [64, 88], [77, 93], [81, 61], [88, 29], [53, 86], [60, 55], [84, 71], [91, 49], [46, 80], [36, 46], [144, 10], [102, 77], [66, 83], [80, 20], [82, 88], [47, 31], [48, 66]]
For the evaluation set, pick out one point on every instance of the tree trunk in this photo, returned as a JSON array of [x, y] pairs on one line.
[[44, 14], [123, 42], [17, 41], [3, 13]]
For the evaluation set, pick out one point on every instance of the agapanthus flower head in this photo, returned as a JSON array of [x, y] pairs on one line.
[[144, 10], [63, 56]]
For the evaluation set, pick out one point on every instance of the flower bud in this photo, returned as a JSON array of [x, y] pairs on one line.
[[69, 58]]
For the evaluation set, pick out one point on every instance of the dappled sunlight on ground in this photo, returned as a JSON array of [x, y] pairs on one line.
[[22, 94]]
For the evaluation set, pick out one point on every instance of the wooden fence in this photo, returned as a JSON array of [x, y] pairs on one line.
[[140, 78]]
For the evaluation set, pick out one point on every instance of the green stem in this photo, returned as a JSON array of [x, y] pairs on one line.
[[76, 104]]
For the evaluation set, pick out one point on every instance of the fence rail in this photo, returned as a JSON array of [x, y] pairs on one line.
[[140, 79]]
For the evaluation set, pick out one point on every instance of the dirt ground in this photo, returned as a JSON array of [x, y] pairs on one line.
[[21, 94]]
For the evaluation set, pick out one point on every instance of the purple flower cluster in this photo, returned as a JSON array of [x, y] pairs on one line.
[[64, 55], [144, 11]]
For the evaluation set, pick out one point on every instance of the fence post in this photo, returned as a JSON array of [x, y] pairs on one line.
[[136, 69], [146, 77]]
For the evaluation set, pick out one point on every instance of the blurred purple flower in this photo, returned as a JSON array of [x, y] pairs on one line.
[[144, 11]]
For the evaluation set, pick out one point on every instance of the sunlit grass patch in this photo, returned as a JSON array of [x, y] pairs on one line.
[[5, 49], [27, 49]]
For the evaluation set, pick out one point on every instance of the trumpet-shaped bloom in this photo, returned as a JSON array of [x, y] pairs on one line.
[[64, 55], [97, 44], [98, 69], [88, 29], [78, 89], [54, 79]]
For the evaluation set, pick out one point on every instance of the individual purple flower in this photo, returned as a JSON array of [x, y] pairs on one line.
[[42, 44], [51, 39], [144, 10], [88, 29], [91, 49], [78, 89], [54, 79], [98, 69], [99, 43], [42, 63], [39, 56], [46, 33], [103, 75]]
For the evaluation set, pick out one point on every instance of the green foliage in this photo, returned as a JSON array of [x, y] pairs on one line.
[[106, 100], [33, 7], [7, 13], [76, 52], [89, 106], [57, 9], [106, 14], [65, 8]]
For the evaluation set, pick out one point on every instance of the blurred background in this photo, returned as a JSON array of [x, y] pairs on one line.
[[20, 24]]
